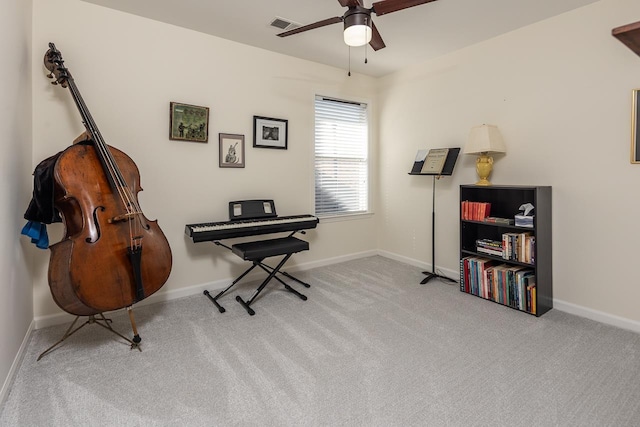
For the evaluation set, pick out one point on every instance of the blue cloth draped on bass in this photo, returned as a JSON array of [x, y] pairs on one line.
[[38, 233]]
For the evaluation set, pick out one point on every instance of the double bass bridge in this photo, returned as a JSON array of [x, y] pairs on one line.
[[129, 216]]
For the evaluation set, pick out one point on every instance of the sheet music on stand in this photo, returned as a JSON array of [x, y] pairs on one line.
[[436, 161]]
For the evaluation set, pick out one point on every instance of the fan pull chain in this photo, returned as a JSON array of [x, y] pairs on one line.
[[349, 73], [366, 49]]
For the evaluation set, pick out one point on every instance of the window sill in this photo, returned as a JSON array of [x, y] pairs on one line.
[[345, 217]]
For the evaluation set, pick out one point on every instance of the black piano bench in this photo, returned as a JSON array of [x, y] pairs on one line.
[[256, 252]]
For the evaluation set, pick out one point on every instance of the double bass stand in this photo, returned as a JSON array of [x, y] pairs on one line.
[[98, 319]]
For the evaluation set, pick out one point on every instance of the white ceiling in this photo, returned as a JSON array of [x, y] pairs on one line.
[[411, 35]]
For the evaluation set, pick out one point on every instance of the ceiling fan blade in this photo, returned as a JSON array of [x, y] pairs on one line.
[[388, 6], [347, 3], [318, 24], [376, 40]]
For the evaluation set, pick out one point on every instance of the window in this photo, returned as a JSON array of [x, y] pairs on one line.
[[341, 157]]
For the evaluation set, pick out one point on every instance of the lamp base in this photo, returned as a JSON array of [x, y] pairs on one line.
[[483, 182], [484, 166]]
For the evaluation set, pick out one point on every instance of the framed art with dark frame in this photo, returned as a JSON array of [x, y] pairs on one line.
[[269, 132], [231, 150], [188, 122], [635, 122]]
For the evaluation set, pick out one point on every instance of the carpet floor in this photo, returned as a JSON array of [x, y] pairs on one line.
[[370, 347]]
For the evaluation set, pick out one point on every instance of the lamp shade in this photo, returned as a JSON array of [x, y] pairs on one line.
[[485, 139]]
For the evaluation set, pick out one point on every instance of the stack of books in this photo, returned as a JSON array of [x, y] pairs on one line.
[[489, 247], [475, 211]]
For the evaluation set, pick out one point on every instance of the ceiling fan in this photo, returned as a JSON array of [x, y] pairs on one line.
[[359, 29]]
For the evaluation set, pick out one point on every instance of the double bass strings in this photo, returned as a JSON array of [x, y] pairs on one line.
[[129, 201]]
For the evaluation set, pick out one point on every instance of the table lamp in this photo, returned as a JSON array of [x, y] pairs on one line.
[[483, 140]]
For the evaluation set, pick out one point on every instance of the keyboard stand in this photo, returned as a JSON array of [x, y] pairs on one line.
[[256, 252]]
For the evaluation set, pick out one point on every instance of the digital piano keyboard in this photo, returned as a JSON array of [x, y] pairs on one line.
[[210, 231]]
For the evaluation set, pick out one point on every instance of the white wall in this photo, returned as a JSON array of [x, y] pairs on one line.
[[129, 69], [16, 312], [560, 92]]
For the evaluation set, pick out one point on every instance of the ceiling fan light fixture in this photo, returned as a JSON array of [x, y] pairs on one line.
[[357, 35], [357, 28]]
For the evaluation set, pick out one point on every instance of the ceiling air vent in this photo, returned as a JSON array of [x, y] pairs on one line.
[[283, 24]]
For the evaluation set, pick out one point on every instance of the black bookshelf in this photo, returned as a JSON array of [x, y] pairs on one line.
[[505, 202]]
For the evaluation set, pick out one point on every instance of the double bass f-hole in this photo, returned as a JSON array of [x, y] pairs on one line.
[[96, 225]]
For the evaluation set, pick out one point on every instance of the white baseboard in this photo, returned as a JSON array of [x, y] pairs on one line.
[[566, 307], [453, 275], [162, 296], [4, 392], [596, 315]]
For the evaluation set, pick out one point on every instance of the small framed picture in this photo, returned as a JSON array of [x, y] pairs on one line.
[[635, 122], [231, 150], [188, 122], [269, 133]]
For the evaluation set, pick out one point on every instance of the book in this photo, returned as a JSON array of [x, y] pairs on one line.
[[434, 161], [522, 277], [489, 251], [462, 274], [496, 220], [498, 283], [485, 276], [530, 286], [499, 272]]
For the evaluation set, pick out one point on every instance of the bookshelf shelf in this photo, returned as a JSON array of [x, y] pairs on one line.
[[495, 285]]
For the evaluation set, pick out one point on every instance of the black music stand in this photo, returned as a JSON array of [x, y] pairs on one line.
[[447, 170]]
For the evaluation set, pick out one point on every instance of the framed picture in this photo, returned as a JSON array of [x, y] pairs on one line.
[[635, 122], [269, 133], [188, 122], [231, 150]]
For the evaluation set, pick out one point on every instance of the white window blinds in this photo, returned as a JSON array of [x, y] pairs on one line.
[[341, 157]]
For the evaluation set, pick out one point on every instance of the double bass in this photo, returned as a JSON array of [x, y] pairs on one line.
[[111, 256]]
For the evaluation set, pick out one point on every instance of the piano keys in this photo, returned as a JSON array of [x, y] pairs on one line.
[[210, 231]]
